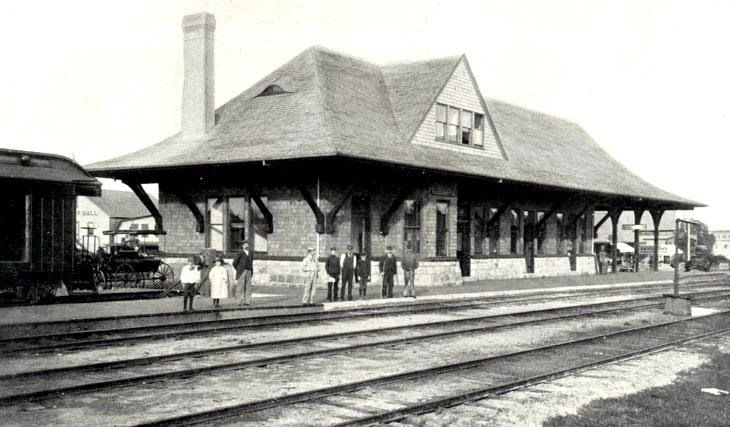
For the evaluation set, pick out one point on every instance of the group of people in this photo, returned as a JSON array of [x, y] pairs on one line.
[[341, 271], [221, 276]]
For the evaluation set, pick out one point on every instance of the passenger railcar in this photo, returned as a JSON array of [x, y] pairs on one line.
[[38, 221]]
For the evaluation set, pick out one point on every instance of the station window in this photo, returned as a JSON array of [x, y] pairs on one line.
[[442, 228], [145, 226], [260, 228], [440, 122], [478, 134], [236, 223], [412, 229], [15, 230], [453, 127], [214, 213], [459, 126], [466, 127]]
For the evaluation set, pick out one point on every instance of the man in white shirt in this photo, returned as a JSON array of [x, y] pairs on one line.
[[310, 268], [189, 278]]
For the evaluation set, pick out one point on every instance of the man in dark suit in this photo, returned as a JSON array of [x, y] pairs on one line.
[[244, 272], [388, 268], [348, 263]]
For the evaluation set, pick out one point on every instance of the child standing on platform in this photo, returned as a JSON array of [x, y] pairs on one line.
[[362, 274], [190, 279]]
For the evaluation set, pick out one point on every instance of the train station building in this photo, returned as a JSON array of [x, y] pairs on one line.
[[331, 150]]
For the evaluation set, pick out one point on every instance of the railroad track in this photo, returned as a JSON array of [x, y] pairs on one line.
[[33, 385], [97, 338], [451, 384]]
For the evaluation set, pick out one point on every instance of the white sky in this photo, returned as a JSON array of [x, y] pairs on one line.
[[649, 80]]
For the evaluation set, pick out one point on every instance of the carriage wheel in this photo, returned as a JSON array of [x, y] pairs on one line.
[[162, 276], [125, 276]]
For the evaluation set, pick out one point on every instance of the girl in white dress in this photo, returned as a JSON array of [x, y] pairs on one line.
[[218, 277]]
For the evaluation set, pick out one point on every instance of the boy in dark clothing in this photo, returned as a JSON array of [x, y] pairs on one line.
[[332, 268], [362, 274]]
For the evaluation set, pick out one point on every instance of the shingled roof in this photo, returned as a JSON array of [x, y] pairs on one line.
[[338, 105]]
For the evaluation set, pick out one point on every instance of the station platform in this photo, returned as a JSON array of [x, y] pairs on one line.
[[271, 298]]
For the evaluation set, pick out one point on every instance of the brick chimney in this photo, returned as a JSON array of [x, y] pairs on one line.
[[198, 106]]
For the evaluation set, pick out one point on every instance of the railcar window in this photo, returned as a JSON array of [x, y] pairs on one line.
[[14, 231]]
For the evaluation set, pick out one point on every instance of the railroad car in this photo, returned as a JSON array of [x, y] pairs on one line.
[[38, 221]]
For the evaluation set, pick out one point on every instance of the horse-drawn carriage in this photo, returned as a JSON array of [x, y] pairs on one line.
[[126, 265]]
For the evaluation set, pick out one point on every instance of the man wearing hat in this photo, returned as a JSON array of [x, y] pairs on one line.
[[244, 272], [332, 267], [348, 263], [310, 268], [388, 268]]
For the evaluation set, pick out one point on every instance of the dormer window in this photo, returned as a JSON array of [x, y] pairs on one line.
[[272, 90], [459, 126]]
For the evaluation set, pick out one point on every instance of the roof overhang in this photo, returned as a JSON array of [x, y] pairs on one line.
[[599, 200]]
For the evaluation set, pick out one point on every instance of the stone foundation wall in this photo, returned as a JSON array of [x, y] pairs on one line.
[[516, 268]]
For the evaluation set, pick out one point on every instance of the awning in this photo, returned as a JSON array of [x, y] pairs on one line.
[[624, 248]]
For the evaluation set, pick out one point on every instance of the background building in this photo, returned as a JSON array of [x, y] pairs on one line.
[[114, 210], [722, 243]]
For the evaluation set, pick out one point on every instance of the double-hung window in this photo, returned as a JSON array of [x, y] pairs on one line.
[[453, 127], [459, 126], [412, 232], [477, 137], [441, 122]]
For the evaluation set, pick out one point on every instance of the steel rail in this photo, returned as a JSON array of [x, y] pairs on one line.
[[507, 387], [252, 322], [50, 393], [306, 396]]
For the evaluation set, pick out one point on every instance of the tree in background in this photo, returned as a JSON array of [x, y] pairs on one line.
[[700, 236]]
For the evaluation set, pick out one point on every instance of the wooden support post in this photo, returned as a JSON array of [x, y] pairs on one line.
[[615, 215], [264, 211], [145, 199], [656, 216], [332, 214], [546, 217], [638, 213], [500, 211], [600, 223], [318, 215], [385, 219], [192, 207]]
